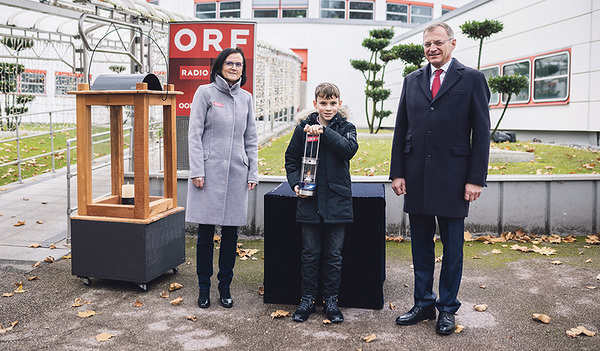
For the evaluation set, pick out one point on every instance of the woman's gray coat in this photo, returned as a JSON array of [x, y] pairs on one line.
[[223, 148]]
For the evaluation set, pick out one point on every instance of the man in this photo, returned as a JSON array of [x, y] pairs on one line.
[[439, 162]]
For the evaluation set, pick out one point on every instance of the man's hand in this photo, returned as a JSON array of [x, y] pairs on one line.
[[399, 186], [472, 192], [251, 186], [198, 182]]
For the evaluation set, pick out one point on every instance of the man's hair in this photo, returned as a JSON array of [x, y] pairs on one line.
[[220, 60], [444, 25], [327, 91]]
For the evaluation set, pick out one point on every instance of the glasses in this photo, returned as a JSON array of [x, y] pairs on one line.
[[230, 64], [437, 43]]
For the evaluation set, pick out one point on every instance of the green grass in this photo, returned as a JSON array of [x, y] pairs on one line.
[[373, 158], [41, 144]]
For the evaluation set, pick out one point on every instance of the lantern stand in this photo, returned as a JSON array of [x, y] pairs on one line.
[[115, 238]]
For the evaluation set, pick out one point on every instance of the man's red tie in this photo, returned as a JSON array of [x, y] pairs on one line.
[[435, 87]]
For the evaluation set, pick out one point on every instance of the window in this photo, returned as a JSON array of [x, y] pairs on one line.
[[420, 14], [333, 9], [360, 9], [397, 12], [522, 68], [230, 9], [280, 8], [206, 10], [153, 2], [446, 9], [33, 82], [489, 73], [551, 77], [64, 82]]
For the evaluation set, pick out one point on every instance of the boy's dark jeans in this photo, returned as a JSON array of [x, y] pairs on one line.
[[321, 243], [204, 255]]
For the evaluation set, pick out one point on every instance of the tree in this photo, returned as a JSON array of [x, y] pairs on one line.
[[481, 30], [412, 55], [507, 85], [14, 105], [116, 68], [373, 71]]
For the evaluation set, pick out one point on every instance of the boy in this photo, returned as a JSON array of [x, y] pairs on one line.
[[324, 214]]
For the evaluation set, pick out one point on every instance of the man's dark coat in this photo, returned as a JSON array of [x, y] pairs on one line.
[[441, 144]]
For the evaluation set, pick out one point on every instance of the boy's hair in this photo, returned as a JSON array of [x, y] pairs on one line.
[[327, 91]]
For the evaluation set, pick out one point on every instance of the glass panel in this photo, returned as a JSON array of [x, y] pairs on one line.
[[294, 3], [64, 84], [552, 66], [397, 8], [445, 11], [265, 13], [206, 7], [420, 10], [232, 14], [291, 13], [551, 89], [489, 73], [521, 68], [401, 18], [361, 15], [231, 5], [270, 3], [333, 14], [206, 15], [33, 83], [365, 6], [333, 4]]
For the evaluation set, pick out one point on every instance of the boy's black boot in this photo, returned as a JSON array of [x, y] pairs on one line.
[[330, 307], [306, 308]]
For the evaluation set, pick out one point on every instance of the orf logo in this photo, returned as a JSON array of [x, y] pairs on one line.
[[186, 39]]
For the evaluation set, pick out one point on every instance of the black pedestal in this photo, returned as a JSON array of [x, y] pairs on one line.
[[363, 265], [130, 252]]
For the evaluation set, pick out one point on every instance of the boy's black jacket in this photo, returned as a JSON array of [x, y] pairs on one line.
[[333, 198]]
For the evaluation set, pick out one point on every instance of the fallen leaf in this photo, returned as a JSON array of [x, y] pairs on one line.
[[544, 250], [482, 286], [66, 257], [138, 303], [459, 328], [392, 306], [496, 251], [557, 262], [7, 294], [44, 202], [49, 259], [9, 328], [574, 332], [405, 285], [39, 222], [476, 257], [37, 264], [243, 258], [541, 317], [85, 314], [261, 290], [164, 294], [468, 236], [326, 321], [591, 287], [52, 247], [33, 278], [175, 286], [104, 336], [35, 245], [216, 239], [25, 199], [439, 259], [192, 318], [20, 289], [369, 338], [279, 314], [480, 308], [598, 277], [177, 301], [19, 223]]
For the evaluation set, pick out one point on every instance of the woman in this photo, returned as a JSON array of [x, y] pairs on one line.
[[223, 153]]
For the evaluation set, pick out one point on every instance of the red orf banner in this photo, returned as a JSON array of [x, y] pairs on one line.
[[193, 47]]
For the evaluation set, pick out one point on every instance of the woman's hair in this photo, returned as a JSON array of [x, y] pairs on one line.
[[220, 60]]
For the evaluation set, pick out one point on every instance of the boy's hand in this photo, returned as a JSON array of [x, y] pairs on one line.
[[313, 129], [297, 190], [198, 182]]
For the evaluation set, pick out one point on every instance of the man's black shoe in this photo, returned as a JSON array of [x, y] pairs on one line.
[[330, 307], [204, 303], [445, 323], [306, 308], [416, 314]]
